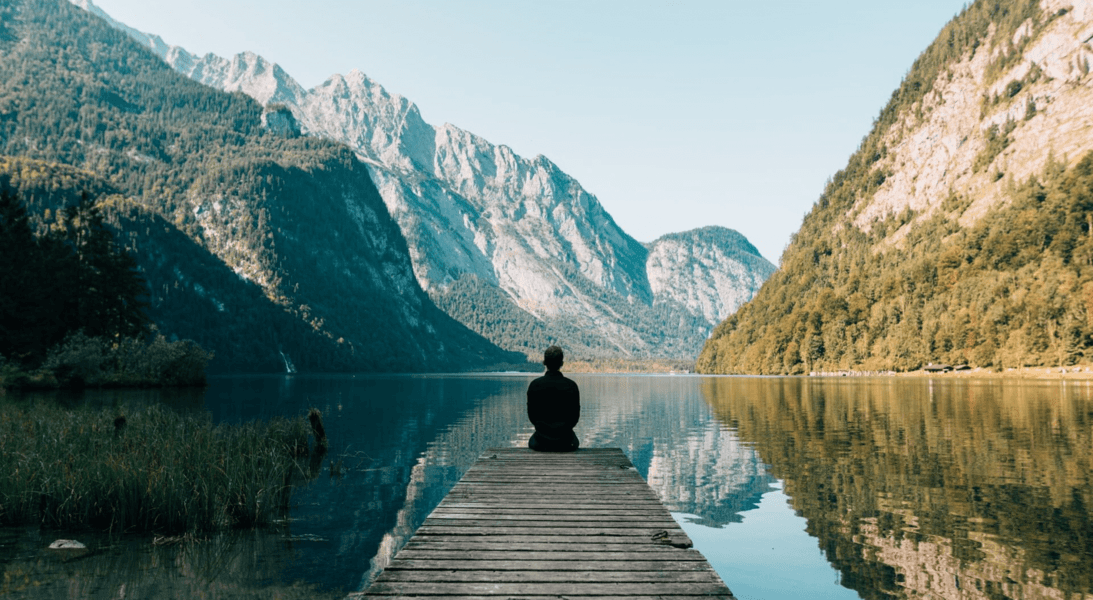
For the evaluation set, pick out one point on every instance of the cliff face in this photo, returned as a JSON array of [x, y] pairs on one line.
[[958, 233], [486, 227], [994, 117], [713, 269]]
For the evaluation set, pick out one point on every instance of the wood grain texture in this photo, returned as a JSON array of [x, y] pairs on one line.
[[523, 524]]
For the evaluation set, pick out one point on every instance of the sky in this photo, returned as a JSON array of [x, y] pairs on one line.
[[675, 114]]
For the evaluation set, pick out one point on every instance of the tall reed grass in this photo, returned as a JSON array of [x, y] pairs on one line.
[[150, 470]]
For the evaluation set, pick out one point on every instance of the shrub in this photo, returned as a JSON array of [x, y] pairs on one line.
[[83, 360]]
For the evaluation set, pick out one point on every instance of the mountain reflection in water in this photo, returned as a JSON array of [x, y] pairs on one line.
[[403, 442], [912, 488], [931, 488]]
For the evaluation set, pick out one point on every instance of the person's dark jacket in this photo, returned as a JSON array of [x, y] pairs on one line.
[[554, 407]]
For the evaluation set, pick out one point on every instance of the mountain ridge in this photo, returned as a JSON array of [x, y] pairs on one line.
[[295, 221], [471, 209]]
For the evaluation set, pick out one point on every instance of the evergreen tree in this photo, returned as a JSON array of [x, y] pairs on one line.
[[110, 299], [18, 262]]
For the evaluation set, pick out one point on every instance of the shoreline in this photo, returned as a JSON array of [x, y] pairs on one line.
[[1072, 372]]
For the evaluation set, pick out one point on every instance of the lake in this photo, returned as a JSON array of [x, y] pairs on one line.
[[791, 487]]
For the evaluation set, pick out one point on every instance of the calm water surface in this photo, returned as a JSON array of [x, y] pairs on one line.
[[791, 487]]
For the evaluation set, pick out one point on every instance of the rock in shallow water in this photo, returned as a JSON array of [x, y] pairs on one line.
[[67, 545]]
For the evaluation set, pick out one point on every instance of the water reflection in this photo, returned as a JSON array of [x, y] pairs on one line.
[[240, 565], [402, 442], [933, 489]]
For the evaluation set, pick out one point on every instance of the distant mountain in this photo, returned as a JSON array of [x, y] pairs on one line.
[[513, 248], [712, 270], [268, 248], [961, 231]]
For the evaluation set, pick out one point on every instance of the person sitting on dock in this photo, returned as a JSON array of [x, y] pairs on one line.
[[554, 407]]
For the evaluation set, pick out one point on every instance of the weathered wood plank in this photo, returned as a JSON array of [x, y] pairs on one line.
[[527, 525], [563, 523], [507, 544], [546, 531], [559, 589], [547, 565], [418, 553], [551, 510], [707, 576], [552, 541], [538, 504], [569, 516], [359, 595], [562, 495]]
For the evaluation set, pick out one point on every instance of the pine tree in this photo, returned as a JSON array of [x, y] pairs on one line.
[[18, 254], [111, 293]]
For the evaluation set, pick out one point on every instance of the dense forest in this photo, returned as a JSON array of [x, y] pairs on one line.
[[487, 309], [68, 279], [73, 308], [1014, 289], [256, 245]]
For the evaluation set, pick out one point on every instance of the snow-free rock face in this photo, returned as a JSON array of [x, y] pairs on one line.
[[469, 208], [1042, 106], [712, 270], [278, 120]]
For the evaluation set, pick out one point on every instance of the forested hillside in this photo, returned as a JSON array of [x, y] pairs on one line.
[[253, 243], [961, 231], [512, 247]]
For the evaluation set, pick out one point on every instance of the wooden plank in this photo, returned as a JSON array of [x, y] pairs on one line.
[[506, 544], [547, 565], [538, 504], [550, 589], [360, 595], [545, 531], [569, 516], [606, 510], [419, 553], [552, 541], [527, 525], [537, 520], [707, 576]]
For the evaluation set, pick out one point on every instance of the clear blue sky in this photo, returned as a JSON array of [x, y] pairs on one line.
[[675, 114]]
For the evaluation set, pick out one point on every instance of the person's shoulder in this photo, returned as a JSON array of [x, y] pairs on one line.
[[538, 381]]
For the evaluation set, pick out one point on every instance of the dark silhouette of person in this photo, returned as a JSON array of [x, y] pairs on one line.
[[554, 407]]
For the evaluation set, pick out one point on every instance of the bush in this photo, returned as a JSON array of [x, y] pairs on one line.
[[82, 360], [78, 360]]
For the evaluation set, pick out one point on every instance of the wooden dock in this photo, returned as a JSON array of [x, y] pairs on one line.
[[525, 524]]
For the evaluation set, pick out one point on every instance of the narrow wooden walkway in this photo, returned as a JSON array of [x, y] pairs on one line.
[[524, 524]]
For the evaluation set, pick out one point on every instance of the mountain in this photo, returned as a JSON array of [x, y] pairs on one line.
[[961, 231], [713, 270], [268, 248], [513, 248]]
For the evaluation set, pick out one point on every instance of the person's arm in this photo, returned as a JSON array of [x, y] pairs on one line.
[[573, 407], [534, 408]]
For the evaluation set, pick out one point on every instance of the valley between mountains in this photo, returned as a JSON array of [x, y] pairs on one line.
[[513, 248]]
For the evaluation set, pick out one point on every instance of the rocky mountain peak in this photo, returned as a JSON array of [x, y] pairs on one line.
[[471, 210]]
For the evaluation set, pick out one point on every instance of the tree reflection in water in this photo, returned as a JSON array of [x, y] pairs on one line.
[[931, 488]]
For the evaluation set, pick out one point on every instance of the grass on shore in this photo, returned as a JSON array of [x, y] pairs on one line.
[[152, 470]]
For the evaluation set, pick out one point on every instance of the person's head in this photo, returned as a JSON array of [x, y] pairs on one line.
[[552, 358]]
